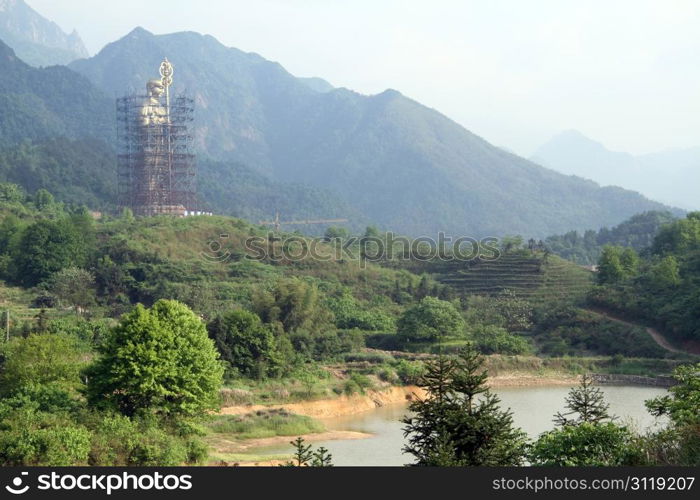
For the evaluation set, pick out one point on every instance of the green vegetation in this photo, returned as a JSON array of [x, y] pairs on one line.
[[47, 103], [123, 327], [662, 287], [680, 442], [430, 320], [586, 444], [593, 438], [569, 331], [46, 420], [638, 233], [533, 275], [76, 171], [586, 403], [263, 424], [246, 344]]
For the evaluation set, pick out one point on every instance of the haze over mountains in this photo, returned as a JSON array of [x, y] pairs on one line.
[[671, 176], [36, 40], [271, 141]]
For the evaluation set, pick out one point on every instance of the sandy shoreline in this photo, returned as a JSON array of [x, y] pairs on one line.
[[359, 403]]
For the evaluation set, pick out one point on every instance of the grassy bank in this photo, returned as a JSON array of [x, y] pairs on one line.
[[651, 367], [264, 424]]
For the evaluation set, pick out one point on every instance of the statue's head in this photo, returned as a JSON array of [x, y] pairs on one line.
[[155, 87]]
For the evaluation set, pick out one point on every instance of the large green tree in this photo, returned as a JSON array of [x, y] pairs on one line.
[[430, 320], [296, 304], [159, 361], [48, 246], [246, 343], [73, 287], [460, 422], [610, 269]]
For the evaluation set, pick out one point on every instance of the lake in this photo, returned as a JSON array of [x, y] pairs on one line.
[[533, 409]]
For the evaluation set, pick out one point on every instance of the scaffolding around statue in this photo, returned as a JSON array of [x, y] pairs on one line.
[[156, 162]]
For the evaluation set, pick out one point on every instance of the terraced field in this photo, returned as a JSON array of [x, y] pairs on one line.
[[17, 301], [532, 277]]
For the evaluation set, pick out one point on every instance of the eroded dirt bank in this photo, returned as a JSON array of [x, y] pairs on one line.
[[358, 403]]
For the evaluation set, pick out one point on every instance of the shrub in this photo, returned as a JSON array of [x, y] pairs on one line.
[[118, 440], [587, 444], [41, 359], [410, 372], [388, 375], [496, 340], [30, 437]]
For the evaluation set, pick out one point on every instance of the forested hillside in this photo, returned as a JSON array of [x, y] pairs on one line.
[[638, 232], [50, 102], [663, 287]]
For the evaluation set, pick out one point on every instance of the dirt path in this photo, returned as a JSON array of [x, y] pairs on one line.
[[653, 332]]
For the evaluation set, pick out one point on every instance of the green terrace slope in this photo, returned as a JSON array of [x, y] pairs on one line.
[[15, 300], [19, 303], [530, 276]]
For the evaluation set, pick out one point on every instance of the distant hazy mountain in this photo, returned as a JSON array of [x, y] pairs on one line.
[[400, 164], [41, 103], [317, 84], [36, 40], [670, 176]]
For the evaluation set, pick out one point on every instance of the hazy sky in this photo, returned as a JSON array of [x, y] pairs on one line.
[[624, 72]]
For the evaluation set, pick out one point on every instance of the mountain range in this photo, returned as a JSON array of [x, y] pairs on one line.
[[36, 40], [270, 141], [669, 176]]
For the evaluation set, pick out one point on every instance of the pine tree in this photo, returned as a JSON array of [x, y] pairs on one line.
[[304, 456], [302, 453], [587, 402], [321, 458], [460, 422]]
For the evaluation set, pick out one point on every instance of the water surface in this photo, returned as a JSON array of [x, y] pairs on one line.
[[533, 409]]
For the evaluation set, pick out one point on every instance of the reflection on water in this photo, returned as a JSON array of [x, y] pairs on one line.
[[533, 408]]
